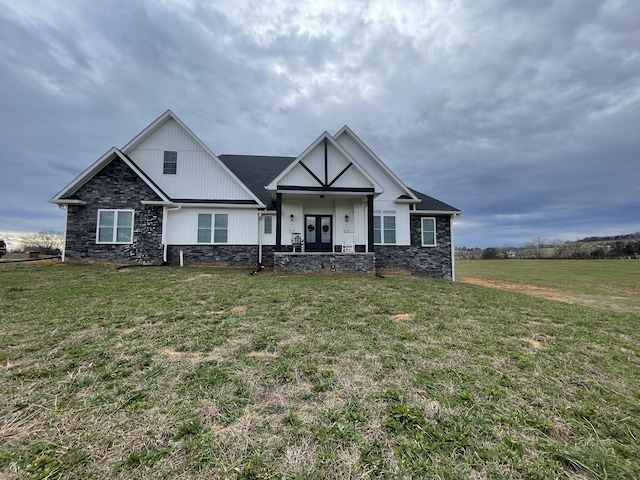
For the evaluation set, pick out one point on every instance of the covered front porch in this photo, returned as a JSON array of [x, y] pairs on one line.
[[324, 223]]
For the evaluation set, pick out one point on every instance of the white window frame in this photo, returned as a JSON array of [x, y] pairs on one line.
[[423, 230], [173, 162], [381, 214], [212, 229], [114, 226], [268, 221]]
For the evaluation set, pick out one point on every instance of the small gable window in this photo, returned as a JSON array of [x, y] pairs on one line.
[[170, 166], [213, 226], [428, 232], [115, 226], [384, 227]]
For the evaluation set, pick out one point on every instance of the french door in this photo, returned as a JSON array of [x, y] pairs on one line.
[[318, 233]]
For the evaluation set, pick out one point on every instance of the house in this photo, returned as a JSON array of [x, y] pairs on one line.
[[165, 197]]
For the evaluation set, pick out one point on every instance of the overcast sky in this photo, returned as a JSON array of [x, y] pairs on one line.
[[523, 114]]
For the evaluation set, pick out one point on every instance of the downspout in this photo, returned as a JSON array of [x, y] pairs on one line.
[[260, 220], [453, 252], [64, 238], [165, 214], [260, 266]]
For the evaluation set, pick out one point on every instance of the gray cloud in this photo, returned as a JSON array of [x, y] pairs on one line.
[[522, 114]]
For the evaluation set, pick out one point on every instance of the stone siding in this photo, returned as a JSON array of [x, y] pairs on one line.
[[432, 261], [116, 186], [220, 255], [324, 263]]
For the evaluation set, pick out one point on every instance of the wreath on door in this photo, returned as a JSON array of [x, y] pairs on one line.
[[325, 228], [311, 228]]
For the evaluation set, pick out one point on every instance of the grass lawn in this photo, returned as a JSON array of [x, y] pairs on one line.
[[197, 372], [609, 284]]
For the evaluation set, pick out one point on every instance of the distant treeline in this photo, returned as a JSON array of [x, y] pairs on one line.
[[616, 246]]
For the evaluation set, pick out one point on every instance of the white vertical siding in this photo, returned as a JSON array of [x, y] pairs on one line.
[[391, 189], [182, 225], [199, 176], [403, 234]]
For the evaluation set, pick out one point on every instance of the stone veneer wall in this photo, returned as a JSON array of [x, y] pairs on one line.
[[220, 255], [432, 261], [324, 263], [116, 186]]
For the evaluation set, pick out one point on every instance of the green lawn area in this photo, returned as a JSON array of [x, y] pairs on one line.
[[610, 284], [210, 373]]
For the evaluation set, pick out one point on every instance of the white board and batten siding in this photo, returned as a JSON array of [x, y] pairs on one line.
[[372, 166], [337, 162], [199, 175], [242, 229]]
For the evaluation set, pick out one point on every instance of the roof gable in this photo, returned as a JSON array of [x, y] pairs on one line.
[[358, 149], [322, 166], [95, 168], [201, 173]]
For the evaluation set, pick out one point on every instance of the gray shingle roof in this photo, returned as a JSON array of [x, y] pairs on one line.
[[433, 204], [256, 172]]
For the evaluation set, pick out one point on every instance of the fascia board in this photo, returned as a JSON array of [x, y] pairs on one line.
[[142, 175], [455, 213], [85, 176], [170, 115], [218, 205], [346, 130]]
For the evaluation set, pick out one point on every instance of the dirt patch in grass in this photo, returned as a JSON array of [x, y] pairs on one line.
[[609, 303], [401, 317]]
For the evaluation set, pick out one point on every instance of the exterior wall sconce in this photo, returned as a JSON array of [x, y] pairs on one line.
[[346, 219]]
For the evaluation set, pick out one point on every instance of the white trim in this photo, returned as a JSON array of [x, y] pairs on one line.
[[212, 230], [93, 170], [62, 203], [215, 205], [115, 225], [435, 232], [436, 212], [381, 214], [453, 251]]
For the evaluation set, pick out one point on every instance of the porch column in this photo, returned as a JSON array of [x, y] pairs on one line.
[[370, 247], [278, 222]]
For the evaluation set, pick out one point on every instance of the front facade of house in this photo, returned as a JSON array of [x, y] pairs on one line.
[[166, 198]]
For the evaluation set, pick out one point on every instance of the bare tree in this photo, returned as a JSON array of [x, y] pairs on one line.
[[47, 242]]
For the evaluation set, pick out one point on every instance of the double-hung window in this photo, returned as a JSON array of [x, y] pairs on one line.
[[115, 226], [170, 165], [384, 227], [213, 226], [428, 232]]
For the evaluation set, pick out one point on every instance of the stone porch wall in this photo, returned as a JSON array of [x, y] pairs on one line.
[[363, 263]]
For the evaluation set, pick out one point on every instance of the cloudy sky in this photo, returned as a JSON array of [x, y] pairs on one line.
[[525, 115]]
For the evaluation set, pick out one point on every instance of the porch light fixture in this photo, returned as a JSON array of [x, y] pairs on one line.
[[346, 219]]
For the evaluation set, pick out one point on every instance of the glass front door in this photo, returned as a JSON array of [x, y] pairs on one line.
[[318, 234]]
